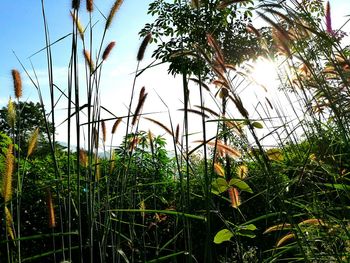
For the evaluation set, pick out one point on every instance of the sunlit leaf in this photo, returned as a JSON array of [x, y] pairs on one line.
[[240, 185], [219, 186], [257, 125], [222, 236], [275, 155]]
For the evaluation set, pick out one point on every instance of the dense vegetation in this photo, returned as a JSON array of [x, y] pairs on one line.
[[226, 198]]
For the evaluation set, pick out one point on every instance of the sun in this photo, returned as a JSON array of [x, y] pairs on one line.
[[264, 72]]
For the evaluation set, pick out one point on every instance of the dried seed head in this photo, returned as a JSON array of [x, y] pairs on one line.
[[78, 24], [17, 83], [219, 170], [51, 210], [234, 196], [108, 50], [138, 108], [177, 133], [89, 60], [284, 239], [83, 159], [112, 13], [103, 125], [143, 46], [8, 175], [328, 19], [9, 222], [90, 5], [11, 113], [32, 142], [116, 124], [242, 171]]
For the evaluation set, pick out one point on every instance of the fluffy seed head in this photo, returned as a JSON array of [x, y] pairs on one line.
[[116, 124], [138, 109], [143, 46], [328, 19], [103, 126], [32, 142], [83, 159], [90, 5], [8, 175], [51, 210], [112, 13], [89, 60], [9, 222], [78, 24], [234, 196], [17, 83], [11, 113], [108, 50]]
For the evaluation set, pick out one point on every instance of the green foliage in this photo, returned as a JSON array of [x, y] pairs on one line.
[[180, 30]]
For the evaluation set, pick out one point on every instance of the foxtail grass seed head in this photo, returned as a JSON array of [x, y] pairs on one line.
[[90, 5], [234, 196], [8, 174], [242, 171], [104, 131], [11, 113], [78, 24], [138, 109], [83, 159], [328, 19], [142, 93], [143, 46], [33, 140], [116, 124], [75, 4], [285, 239], [17, 83], [108, 50], [89, 60], [177, 133], [112, 13], [9, 222], [51, 210], [219, 170]]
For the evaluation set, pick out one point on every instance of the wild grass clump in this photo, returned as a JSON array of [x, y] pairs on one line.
[[265, 181]]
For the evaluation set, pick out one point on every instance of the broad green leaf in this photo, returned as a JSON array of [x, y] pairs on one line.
[[222, 235], [246, 230], [275, 155], [219, 186], [240, 185], [257, 125]]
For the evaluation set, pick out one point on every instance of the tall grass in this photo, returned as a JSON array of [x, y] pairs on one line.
[[227, 197]]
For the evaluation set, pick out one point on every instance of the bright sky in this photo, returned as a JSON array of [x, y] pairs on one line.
[[22, 31]]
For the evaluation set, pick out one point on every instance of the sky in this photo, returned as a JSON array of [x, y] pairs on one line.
[[22, 32]]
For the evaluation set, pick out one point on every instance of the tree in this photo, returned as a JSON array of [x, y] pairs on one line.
[[29, 116], [181, 29]]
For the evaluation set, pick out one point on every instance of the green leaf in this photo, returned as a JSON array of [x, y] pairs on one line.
[[246, 230], [275, 155], [219, 186], [240, 185], [257, 125], [222, 235]]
